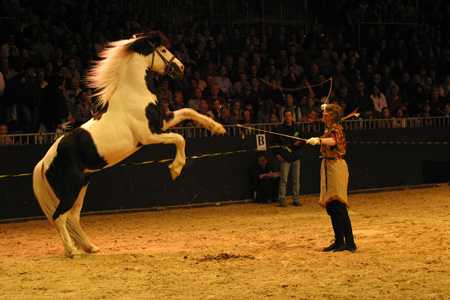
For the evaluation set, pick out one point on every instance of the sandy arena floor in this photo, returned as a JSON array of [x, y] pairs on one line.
[[248, 251]]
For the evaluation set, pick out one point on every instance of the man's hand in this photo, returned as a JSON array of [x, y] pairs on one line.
[[313, 141]]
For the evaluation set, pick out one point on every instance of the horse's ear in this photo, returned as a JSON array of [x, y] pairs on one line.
[[143, 46]]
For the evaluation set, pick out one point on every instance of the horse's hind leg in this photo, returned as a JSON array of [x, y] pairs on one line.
[[73, 225], [61, 225]]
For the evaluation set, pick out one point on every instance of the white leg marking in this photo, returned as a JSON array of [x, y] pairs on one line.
[[69, 247], [73, 225], [178, 140]]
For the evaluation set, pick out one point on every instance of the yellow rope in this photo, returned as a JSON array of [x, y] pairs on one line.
[[147, 162]]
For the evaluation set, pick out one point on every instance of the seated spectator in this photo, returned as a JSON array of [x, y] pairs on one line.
[[203, 108], [4, 138], [2, 90], [360, 99], [446, 110], [312, 117], [217, 109], [236, 112], [2, 84], [308, 104], [399, 120], [265, 180], [178, 102], [247, 117], [225, 116], [291, 106], [378, 99], [54, 106], [195, 100], [386, 121], [274, 118], [394, 99], [223, 81], [84, 108]]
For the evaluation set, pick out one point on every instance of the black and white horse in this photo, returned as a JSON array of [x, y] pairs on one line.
[[130, 117]]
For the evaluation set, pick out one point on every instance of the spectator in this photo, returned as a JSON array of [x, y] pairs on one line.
[[2, 90], [223, 81], [225, 116], [360, 99], [264, 111], [274, 118], [178, 100], [73, 94], [203, 108], [446, 110], [399, 120], [236, 113], [232, 59], [4, 138], [292, 107], [386, 121], [2, 84], [394, 99], [247, 117], [378, 100], [217, 109], [84, 108], [288, 154], [312, 117], [53, 107], [195, 100], [265, 180]]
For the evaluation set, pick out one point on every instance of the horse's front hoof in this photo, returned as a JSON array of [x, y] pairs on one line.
[[219, 129], [174, 173]]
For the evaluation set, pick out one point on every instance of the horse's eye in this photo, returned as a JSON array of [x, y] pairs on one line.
[[164, 50]]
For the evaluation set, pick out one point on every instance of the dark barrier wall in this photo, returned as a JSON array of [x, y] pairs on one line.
[[378, 163]]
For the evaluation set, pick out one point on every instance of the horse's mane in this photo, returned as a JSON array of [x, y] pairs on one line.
[[103, 75]]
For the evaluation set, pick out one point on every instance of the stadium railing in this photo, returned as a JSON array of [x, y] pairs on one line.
[[233, 130]]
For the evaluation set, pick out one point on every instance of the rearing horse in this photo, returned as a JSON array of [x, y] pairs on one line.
[[130, 117]]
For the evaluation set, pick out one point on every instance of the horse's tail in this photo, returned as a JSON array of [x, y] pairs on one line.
[[43, 192]]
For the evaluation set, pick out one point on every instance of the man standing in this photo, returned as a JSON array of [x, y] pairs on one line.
[[288, 153]]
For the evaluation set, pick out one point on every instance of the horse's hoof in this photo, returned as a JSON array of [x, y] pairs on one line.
[[93, 249], [174, 174], [90, 248], [71, 253], [175, 171], [219, 129]]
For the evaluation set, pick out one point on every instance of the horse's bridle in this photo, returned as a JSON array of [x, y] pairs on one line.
[[172, 69]]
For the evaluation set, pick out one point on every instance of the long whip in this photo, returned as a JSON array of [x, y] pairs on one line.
[[271, 132]]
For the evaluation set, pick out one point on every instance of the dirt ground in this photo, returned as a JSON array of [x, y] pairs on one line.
[[241, 251]]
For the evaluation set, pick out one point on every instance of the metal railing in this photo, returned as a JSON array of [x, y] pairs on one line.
[[232, 130]]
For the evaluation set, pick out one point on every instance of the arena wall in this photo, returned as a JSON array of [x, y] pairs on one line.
[[375, 158]]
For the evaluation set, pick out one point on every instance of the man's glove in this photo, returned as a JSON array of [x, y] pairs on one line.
[[313, 141]]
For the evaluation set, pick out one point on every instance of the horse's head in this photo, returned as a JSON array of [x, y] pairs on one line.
[[154, 45]]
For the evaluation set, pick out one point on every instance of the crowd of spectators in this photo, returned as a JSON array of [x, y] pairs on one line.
[[234, 73]]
